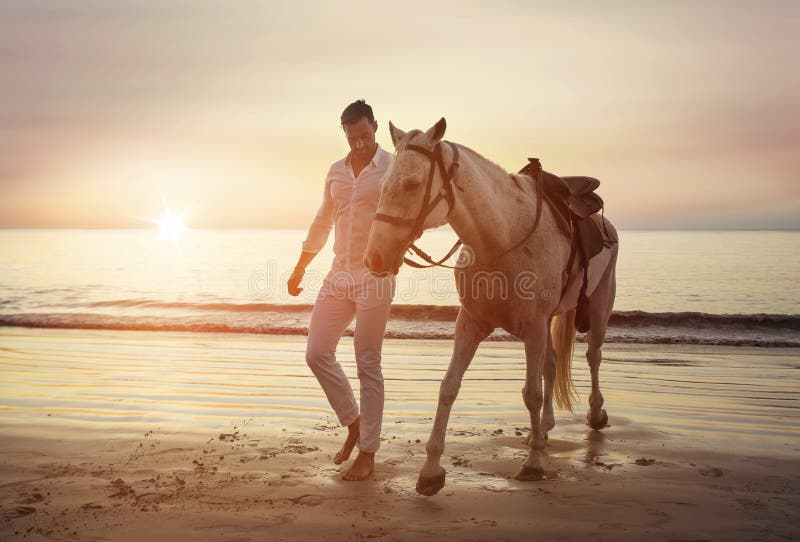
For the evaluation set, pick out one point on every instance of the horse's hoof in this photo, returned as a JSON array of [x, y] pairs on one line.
[[598, 421], [430, 485], [529, 474]]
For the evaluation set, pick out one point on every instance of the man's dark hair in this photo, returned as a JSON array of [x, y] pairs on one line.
[[353, 112]]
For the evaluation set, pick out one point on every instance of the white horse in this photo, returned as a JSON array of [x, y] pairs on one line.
[[511, 274]]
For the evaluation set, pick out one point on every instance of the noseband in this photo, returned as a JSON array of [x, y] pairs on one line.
[[449, 179]]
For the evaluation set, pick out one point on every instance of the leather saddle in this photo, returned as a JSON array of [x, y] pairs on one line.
[[574, 201]]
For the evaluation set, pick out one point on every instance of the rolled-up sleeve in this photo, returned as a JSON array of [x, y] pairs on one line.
[[321, 227]]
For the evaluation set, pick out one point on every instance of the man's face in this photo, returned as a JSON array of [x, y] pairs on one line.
[[361, 137]]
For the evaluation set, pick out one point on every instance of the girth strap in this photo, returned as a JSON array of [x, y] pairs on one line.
[[539, 202]]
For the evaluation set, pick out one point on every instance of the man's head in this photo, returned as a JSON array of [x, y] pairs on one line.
[[359, 125]]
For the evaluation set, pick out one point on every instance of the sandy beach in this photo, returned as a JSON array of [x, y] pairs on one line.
[[111, 435]]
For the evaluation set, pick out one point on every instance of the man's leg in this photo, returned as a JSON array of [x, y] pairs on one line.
[[332, 313], [372, 311]]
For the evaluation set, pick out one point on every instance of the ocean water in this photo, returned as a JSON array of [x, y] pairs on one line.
[[68, 383], [706, 287]]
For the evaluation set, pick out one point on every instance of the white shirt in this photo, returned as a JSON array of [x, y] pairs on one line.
[[350, 203]]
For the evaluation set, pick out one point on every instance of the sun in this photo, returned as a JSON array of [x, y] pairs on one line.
[[171, 224]]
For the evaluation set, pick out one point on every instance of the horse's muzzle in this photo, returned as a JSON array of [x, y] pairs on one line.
[[376, 263]]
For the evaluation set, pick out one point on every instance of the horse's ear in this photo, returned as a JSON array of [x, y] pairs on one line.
[[436, 133], [396, 133]]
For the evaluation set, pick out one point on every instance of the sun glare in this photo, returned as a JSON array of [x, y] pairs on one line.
[[171, 224]]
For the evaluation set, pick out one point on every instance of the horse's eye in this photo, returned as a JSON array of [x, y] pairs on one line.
[[410, 185]]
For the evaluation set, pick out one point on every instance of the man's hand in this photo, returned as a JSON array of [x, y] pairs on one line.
[[293, 284]]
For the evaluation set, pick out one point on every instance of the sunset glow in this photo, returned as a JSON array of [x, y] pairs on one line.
[[684, 110]]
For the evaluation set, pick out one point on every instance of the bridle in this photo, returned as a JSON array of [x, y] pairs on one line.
[[428, 205], [449, 180]]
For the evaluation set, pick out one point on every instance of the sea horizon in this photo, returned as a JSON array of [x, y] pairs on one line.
[[305, 228]]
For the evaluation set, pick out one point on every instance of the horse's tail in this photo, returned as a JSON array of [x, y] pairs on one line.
[[562, 330]]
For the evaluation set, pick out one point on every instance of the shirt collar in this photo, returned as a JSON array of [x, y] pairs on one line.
[[375, 157]]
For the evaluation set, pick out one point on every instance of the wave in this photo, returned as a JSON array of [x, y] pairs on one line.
[[417, 322], [448, 313], [96, 321], [705, 320]]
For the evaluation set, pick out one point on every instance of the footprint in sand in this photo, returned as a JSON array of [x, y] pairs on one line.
[[296, 448], [32, 498], [711, 472], [152, 498], [123, 489], [275, 521], [19, 511], [308, 500]]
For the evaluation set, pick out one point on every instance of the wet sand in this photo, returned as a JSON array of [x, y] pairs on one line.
[[111, 435]]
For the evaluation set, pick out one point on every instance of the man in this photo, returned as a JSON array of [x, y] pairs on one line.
[[349, 202]]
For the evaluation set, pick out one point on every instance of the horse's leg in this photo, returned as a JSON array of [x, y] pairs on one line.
[[536, 347], [548, 418], [600, 304], [468, 336]]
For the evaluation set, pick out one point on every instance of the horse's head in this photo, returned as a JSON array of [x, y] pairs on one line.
[[416, 194]]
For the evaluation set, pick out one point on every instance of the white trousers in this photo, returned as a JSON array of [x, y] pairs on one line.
[[338, 302]]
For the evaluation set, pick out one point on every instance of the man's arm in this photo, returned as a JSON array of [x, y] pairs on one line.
[[317, 237]]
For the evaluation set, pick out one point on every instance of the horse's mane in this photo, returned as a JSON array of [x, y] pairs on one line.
[[484, 163]]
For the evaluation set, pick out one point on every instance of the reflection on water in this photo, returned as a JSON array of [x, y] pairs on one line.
[[595, 446], [133, 381]]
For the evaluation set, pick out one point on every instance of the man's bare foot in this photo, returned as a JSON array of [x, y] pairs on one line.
[[361, 468], [352, 437]]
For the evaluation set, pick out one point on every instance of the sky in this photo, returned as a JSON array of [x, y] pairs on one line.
[[687, 112]]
